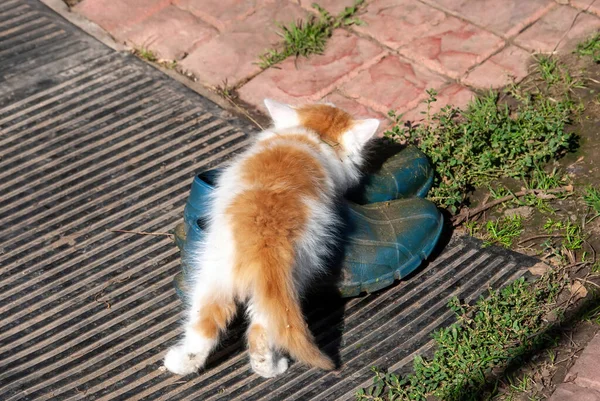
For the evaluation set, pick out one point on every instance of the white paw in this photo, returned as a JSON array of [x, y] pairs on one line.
[[269, 366], [282, 365], [181, 362]]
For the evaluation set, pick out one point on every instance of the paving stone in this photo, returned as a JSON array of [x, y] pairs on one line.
[[233, 55], [509, 66], [171, 32], [572, 392], [452, 47], [398, 22], [585, 371], [333, 6], [309, 79], [550, 32], [221, 13], [506, 17], [392, 83], [589, 5], [453, 94], [428, 36], [118, 15], [357, 110]]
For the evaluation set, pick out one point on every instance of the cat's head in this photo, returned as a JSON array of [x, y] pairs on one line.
[[334, 126]]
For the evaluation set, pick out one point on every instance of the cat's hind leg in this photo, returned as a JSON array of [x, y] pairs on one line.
[[265, 359], [209, 316]]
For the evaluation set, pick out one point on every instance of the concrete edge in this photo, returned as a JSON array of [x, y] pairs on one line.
[[59, 7]]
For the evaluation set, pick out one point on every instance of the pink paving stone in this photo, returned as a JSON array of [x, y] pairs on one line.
[[505, 17], [357, 110], [309, 79], [586, 372], [508, 66], [233, 54], [572, 392], [549, 31], [392, 83], [441, 42], [171, 33], [453, 94], [221, 13], [117, 15], [333, 6], [454, 48], [398, 22], [589, 5]]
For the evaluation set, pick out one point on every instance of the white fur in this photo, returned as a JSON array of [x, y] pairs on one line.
[[212, 261]]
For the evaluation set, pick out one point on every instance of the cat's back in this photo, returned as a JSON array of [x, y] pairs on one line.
[[285, 164]]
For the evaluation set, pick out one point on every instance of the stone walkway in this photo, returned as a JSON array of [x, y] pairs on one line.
[[406, 46], [582, 383]]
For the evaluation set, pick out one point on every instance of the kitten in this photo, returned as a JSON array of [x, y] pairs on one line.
[[272, 216]]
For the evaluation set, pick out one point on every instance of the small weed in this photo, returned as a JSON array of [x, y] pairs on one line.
[[548, 69], [145, 54], [472, 227], [556, 74], [226, 90], [572, 233], [543, 180], [491, 334], [591, 197], [169, 64], [592, 315], [503, 231], [590, 47], [304, 38]]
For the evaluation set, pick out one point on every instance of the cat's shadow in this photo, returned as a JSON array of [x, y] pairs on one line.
[[324, 305]]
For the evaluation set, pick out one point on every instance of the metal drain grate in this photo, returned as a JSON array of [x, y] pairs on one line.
[[91, 141]]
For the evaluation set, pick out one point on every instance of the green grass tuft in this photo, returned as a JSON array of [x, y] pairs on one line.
[[503, 231], [571, 233], [304, 38], [590, 48], [591, 197], [146, 54], [549, 69]]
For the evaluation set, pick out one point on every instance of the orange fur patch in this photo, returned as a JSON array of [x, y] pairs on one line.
[[327, 121], [284, 168], [214, 318]]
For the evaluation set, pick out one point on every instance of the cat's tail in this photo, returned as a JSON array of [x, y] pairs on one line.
[[276, 295]]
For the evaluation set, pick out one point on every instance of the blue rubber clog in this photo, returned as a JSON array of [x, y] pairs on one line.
[[405, 174], [384, 240]]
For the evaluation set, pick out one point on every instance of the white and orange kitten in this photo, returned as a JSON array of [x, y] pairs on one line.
[[271, 220]]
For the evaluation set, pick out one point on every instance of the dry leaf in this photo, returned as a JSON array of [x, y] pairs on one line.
[[539, 269], [578, 290]]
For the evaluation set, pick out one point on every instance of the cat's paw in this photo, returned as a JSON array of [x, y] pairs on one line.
[[181, 362], [269, 367]]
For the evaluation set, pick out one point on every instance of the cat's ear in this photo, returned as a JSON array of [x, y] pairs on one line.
[[283, 115], [364, 130]]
